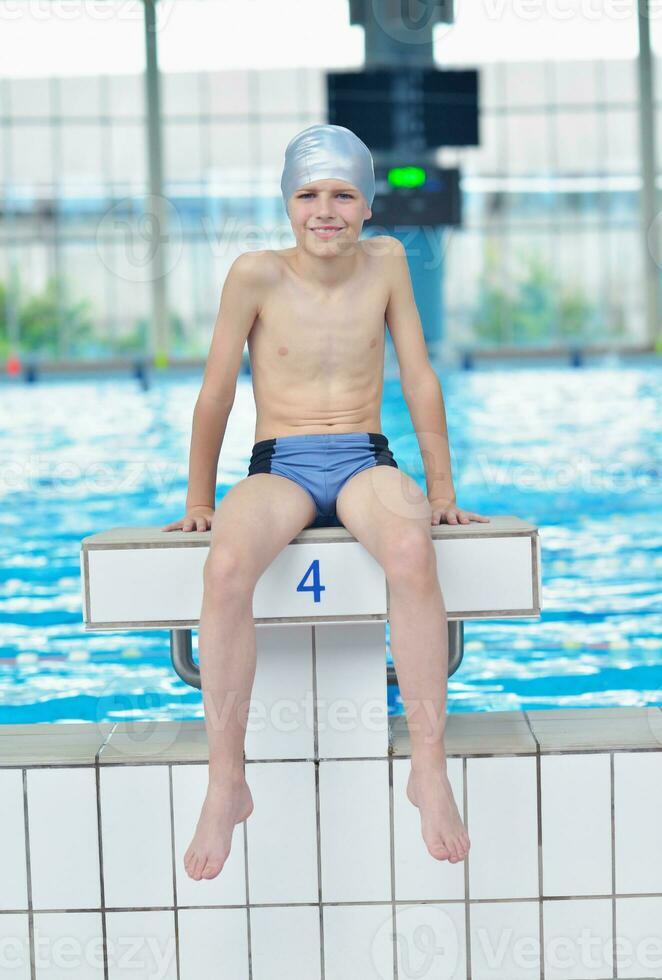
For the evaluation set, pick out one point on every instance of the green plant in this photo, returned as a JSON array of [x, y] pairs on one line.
[[53, 325], [139, 339], [538, 308], [4, 327], [46, 327], [69, 330]]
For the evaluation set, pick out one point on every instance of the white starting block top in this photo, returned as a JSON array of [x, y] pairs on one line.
[[142, 577]]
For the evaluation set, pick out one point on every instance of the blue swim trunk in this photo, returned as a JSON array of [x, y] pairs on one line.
[[321, 464]]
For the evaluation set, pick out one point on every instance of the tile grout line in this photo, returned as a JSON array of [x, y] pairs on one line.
[[467, 905], [612, 786], [541, 883], [174, 870], [248, 906], [102, 890], [28, 870], [137, 763], [359, 902], [511, 754], [104, 931], [316, 770], [541, 886], [249, 947], [391, 816]]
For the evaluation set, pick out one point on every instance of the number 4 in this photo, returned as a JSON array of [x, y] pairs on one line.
[[314, 567]]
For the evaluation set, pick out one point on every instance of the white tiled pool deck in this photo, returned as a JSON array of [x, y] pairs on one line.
[[329, 878]]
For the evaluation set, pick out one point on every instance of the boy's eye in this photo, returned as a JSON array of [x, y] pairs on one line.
[[309, 194]]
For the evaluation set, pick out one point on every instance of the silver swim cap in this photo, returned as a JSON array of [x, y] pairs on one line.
[[323, 151]]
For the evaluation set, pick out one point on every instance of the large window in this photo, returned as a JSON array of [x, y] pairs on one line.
[[550, 249]]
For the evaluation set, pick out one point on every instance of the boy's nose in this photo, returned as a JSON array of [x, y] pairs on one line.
[[325, 208]]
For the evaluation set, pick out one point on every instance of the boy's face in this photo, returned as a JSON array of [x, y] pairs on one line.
[[331, 202]]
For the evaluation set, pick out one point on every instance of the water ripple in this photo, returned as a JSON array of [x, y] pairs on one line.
[[577, 452]]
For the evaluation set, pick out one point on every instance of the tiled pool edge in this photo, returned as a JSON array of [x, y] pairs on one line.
[[479, 733], [483, 749]]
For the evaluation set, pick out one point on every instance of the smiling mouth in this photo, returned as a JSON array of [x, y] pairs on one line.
[[326, 232]]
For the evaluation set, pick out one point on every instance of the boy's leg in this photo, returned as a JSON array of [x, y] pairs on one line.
[[254, 521], [385, 509]]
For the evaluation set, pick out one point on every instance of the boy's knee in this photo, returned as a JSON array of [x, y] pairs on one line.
[[409, 556], [227, 571]]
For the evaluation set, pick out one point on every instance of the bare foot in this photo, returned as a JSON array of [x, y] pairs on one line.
[[227, 803], [441, 823]]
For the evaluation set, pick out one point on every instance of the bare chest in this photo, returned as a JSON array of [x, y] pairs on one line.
[[313, 334]]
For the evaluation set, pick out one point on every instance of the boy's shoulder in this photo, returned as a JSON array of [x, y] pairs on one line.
[[256, 266], [389, 243], [252, 260], [385, 240], [383, 246]]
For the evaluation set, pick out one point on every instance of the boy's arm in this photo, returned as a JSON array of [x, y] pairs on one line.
[[239, 306], [420, 385]]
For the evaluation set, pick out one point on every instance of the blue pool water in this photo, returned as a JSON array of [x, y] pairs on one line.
[[574, 450]]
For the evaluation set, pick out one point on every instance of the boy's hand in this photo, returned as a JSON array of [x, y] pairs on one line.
[[445, 513], [197, 519]]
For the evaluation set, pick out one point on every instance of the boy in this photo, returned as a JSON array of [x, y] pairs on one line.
[[313, 316]]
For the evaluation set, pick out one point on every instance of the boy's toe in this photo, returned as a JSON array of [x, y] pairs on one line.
[[211, 869], [439, 850]]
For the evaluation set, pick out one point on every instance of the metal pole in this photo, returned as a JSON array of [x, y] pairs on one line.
[[649, 225], [398, 34], [181, 654], [12, 295], [157, 227]]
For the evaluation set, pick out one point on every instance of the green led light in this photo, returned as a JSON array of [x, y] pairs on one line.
[[406, 176]]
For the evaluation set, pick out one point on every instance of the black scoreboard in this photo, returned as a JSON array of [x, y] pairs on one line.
[[406, 107]]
